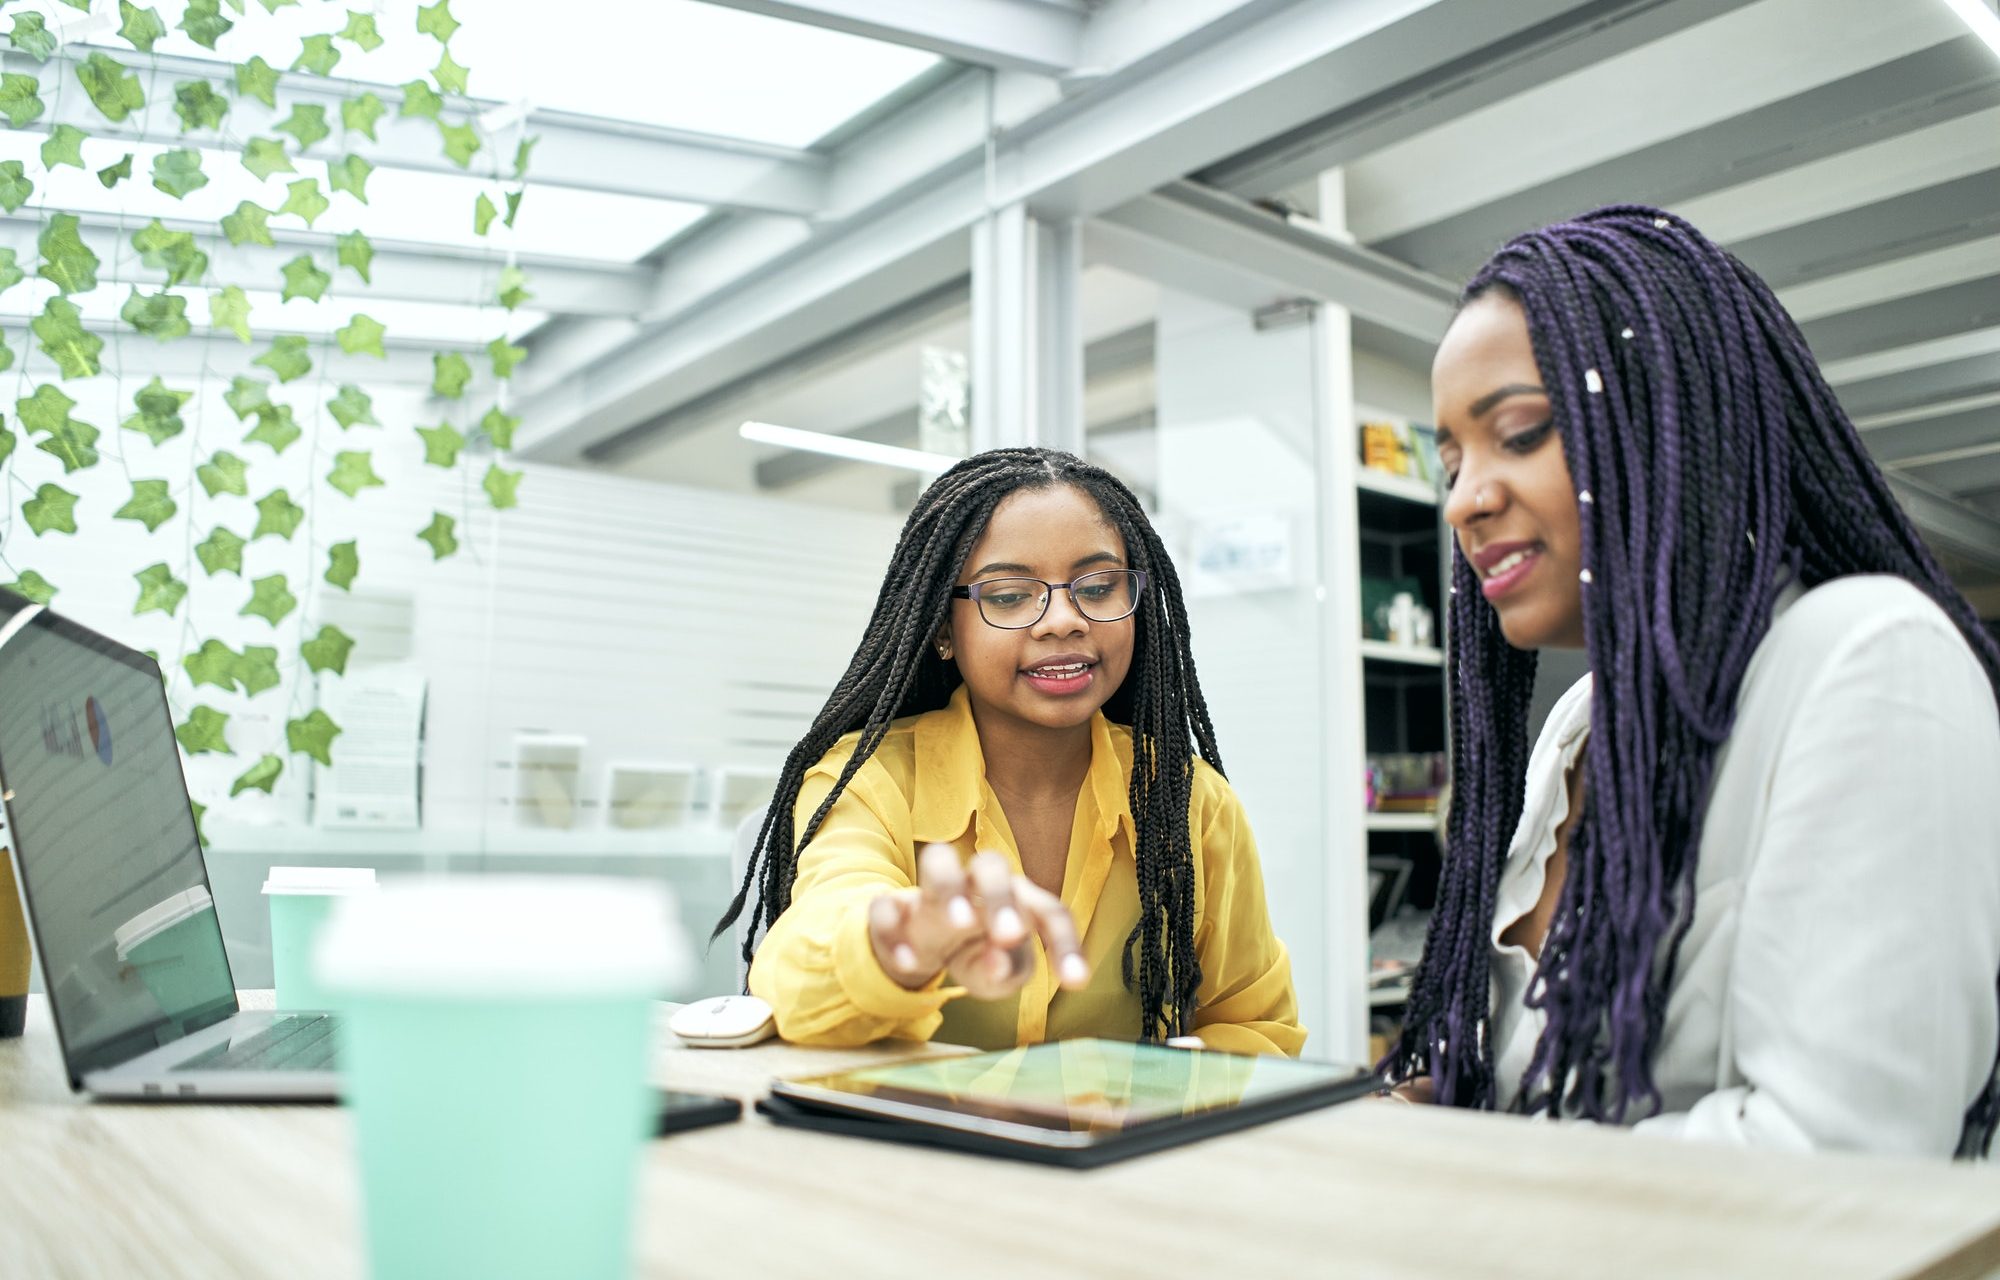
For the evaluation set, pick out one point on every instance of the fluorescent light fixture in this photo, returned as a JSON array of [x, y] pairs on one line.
[[853, 450], [1985, 23]]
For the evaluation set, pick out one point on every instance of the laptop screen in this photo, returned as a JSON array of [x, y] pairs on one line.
[[104, 840]]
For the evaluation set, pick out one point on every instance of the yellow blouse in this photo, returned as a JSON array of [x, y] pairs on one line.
[[926, 783]]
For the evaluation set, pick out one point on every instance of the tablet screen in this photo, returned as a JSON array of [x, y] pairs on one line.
[[1077, 1085]]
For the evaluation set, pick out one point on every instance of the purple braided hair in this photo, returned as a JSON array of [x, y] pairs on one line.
[[1706, 419]]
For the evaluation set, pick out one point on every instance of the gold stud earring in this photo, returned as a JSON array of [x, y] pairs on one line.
[[944, 651]]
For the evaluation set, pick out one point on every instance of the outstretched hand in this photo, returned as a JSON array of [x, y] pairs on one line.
[[974, 922]]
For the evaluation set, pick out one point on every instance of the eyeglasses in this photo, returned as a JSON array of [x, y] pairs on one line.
[[1014, 604]]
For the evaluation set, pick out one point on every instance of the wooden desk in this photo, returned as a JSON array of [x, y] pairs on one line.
[[1368, 1189]]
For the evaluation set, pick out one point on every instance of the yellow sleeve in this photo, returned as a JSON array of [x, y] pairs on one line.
[[817, 968], [1246, 1001]]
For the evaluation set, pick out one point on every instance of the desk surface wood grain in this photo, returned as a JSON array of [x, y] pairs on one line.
[[91, 1190]]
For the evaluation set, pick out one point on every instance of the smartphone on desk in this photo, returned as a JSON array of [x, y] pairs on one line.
[[678, 1112]]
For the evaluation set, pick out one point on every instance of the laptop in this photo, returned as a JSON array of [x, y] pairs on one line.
[[1077, 1103], [116, 892]]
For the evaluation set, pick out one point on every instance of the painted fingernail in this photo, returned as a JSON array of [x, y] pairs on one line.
[[959, 912], [906, 956], [1008, 921], [1074, 970]]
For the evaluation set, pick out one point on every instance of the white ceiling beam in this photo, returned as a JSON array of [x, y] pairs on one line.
[[1947, 522], [576, 151], [400, 270], [1039, 36], [1263, 69]]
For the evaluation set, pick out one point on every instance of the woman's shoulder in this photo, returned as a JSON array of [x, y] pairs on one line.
[[1855, 616], [896, 754]]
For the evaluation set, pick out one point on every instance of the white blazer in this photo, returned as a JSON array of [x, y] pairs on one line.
[[1836, 986]]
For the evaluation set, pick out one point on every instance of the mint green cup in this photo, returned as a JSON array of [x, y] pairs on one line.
[[176, 950], [497, 1054], [301, 898]]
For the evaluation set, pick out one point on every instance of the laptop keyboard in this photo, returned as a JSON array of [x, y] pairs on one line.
[[302, 1043]]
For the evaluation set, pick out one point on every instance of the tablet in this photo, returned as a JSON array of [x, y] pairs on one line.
[[1072, 1102]]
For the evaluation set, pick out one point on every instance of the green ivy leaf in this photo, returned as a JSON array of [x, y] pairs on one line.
[[271, 599], [33, 585], [15, 185], [178, 172], [317, 56], [203, 731], [501, 486], [263, 775], [343, 562], [52, 508], [113, 174], [151, 505], [307, 123], [266, 156], [328, 650], [198, 105], [483, 213], [358, 115], [353, 471], [449, 374], [511, 292], [357, 251], [521, 154], [274, 428], [224, 473], [11, 273], [6, 363], [460, 143], [360, 31], [72, 443], [160, 316], [159, 416], [113, 90], [247, 396], [250, 224], [67, 261], [6, 442], [220, 552], [499, 428], [214, 663], [257, 669], [420, 100], [439, 534], [441, 444], [287, 358], [141, 28], [45, 410], [159, 590], [21, 98], [304, 199], [304, 280], [73, 347], [505, 357], [277, 514], [258, 79], [64, 145], [270, 6], [361, 336], [31, 35], [204, 22], [230, 309], [450, 76], [313, 736], [173, 252], [436, 20], [352, 406], [349, 174]]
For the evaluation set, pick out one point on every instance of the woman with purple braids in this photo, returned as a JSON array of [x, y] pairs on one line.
[[1746, 886]]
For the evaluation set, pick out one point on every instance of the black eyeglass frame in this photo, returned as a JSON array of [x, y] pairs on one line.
[[972, 591]]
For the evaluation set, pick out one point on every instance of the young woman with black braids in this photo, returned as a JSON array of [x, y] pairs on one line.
[[1746, 887], [997, 831]]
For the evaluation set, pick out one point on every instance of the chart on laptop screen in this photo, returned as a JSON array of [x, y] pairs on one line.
[[104, 838]]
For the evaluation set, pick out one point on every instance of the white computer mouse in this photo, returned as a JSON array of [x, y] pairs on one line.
[[723, 1022]]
